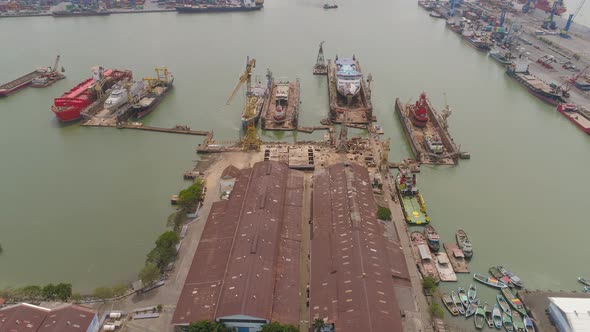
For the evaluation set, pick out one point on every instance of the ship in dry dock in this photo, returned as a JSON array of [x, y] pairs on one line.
[[426, 130], [282, 109], [349, 96]]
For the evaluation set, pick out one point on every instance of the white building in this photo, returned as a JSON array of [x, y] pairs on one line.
[[570, 314]]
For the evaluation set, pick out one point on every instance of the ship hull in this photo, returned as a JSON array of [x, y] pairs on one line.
[[18, 84], [196, 10], [8, 92], [550, 99], [69, 14], [69, 114], [357, 110], [574, 117], [143, 112], [477, 45], [547, 9]]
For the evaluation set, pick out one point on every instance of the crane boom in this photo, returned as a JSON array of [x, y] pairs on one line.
[[244, 78], [55, 64]]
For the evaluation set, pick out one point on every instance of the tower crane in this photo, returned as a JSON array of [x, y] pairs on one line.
[[250, 141], [246, 77], [570, 19]]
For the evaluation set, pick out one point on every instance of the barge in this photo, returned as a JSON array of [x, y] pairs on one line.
[[73, 13], [547, 93], [412, 202], [282, 109], [427, 132], [577, 115], [423, 257], [477, 43], [349, 97], [13, 86]]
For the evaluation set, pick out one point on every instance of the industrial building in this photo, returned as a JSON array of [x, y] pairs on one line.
[[246, 270], [31, 318], [355, 268], [570, 314]]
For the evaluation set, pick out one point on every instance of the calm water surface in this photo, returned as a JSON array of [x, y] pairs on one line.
[[84, 205]]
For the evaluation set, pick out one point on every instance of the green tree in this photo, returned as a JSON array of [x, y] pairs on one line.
[[189, 197], [207, 326], [76, 297], [32, 292], [290, 328], [165, 250], [429, 284], [149, 273], [436, 310], [63, 291], [49, 292], [103, 293], [277, 327], [168, 239], [119, 290], [318, 325], [383, 213]]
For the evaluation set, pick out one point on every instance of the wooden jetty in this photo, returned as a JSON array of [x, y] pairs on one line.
[[359, 111], [456, 258]]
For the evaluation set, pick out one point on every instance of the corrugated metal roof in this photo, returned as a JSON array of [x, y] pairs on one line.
[[576, 311], [30, 318], [251, 247], [352, 262]]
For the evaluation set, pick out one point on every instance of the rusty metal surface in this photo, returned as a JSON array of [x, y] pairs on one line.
[[18, 317], [260, 258], [25, 317], [351, 263]]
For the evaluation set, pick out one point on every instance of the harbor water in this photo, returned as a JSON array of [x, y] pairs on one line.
[[85, 205]]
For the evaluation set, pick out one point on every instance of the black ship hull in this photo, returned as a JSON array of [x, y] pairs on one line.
[[216, 9]]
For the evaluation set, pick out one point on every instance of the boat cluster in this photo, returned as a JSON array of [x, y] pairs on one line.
[[586, 282]]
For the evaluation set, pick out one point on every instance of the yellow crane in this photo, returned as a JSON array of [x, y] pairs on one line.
[[250, 64], [250, 141]]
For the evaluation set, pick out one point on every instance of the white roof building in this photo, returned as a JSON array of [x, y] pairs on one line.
[[570, 314]]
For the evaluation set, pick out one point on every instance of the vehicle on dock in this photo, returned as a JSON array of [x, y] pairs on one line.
[[463, 297], [489, 281], [514, 301], [458, 303], [528, 324], [548, 93], [464, 243], [241, 6], [282, 109], [503, 304], [488, 315], [585, 281], [577, 115], [471, 308], [497, 316], [480, 317], [13, 86], [85, 95], [349, 96], [413, 205], [472, 293], [507, 321], [499, 275], [124, 92], [432, 238], [423, 257], [513, 278], [517, 322], [443, 265], [157, 89], [502, 59], [450, 304]]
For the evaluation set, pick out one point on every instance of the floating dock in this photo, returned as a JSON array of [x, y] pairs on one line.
[[419, 137], [456, 258], [19, 83], [359, 111], [445, 269], [282, 110]]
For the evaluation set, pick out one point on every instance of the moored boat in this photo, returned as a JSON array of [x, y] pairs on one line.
[[498, 275], [464, 243], [513, 278], [242, 6], [488, 315], [450, 304], [436, 14], [480, 317], [477, 43], [472, 308], [502, 59], [489, 281], [576, 115], [463, 297], [472, 293], [528, 324], [586, 289], [432, 238], [458, 303], [330, 6], [497, 316], [514, 301], [585, 281], [19, 83], [517, 322], [503, 304], [157, 89], [413, 205], [548, 93], [507, 321], [423, 257]]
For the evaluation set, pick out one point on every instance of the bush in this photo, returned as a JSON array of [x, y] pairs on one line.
[[277, 327], [436, 310], [207, 326], [429, 284], [149, 273], [165, 250], [189, 197], [119, 290], [103, 293], [383, 213]]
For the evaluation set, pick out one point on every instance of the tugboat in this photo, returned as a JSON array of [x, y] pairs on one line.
[[418, 113], [432, 238], [413, 205], [464, 243]]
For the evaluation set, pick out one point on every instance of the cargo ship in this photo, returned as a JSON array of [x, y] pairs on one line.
[[413, 205], [243, 6], [577, 115], [86, 12], [88, 93], [520, 72], [477, 43], [282, 109], [349, 97], [19, 83], [157, 88]]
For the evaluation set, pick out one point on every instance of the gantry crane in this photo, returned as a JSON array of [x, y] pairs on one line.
[[549, 21], [250, 141]]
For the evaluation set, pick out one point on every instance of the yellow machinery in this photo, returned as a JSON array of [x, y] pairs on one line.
[[250, 141], [162, 76]]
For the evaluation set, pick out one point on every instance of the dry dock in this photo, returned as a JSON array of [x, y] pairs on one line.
[[282, 110], [456, 258], [360, 110]]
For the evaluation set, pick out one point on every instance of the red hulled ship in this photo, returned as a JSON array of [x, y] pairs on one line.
[[70, 105], [418, 114], [578, 116]]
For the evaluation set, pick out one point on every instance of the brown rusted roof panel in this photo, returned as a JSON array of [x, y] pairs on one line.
[[72, 318]]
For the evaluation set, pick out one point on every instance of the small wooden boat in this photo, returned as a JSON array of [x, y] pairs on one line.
[[464, 243], [586, 289], [513, 278], [517, 322], [472, 293], [584, 281], [498, 275], [463, 297], [480, 317], [488, 315], [504, 305], [450, 304], [458, 303], [432, 238], [489, 281], [514, 301], [507, 320], [472, 308], [528, 324], [497, 316]]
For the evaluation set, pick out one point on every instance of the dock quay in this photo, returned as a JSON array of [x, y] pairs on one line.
[[429, 139], [359, 110], [537, 305], [178, 129], [456, 258], [309, 130]]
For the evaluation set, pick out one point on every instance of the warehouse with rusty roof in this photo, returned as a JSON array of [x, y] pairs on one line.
[[246, 270], [31, 318], [353, 264]]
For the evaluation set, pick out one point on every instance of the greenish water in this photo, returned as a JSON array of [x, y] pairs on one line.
[[85, 204]]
